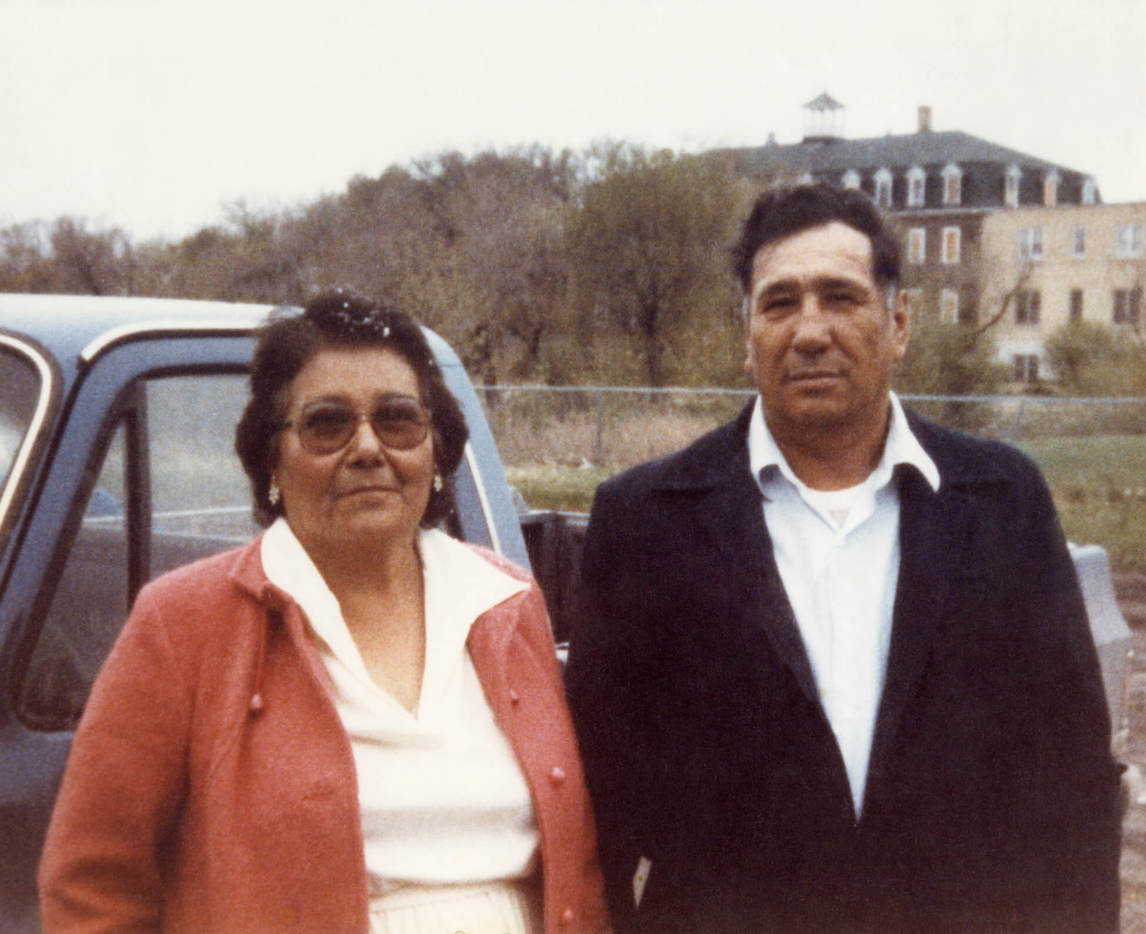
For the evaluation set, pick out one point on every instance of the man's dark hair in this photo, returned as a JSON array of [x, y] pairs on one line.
[[791, 209], [341, 320]]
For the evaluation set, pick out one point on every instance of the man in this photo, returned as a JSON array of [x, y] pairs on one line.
[[833, 671]]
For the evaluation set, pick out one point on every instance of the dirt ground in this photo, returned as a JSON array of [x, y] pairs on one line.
[[1131, 590]]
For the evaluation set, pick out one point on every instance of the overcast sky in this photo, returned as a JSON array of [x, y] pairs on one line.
[[154, 114]]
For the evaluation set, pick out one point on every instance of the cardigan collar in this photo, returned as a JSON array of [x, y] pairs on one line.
[[463, 585]]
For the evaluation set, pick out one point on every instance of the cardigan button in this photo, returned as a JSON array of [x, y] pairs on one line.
[[567, 916], [514, 697], [557, 775]]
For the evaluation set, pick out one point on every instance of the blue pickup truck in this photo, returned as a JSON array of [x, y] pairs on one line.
[[116, 464]]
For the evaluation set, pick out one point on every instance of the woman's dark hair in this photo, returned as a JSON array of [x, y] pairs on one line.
[[342, 320], [791, 209]]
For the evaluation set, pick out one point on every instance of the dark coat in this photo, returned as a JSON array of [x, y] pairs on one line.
[[992, 798]]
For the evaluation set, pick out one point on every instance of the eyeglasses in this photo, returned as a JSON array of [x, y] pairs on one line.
[[399, 422]]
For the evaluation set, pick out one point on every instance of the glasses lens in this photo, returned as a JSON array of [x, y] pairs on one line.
[[401, 422], [326, 428]]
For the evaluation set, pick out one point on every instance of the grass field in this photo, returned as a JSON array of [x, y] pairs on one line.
[[1099, 485], [1098, 482]]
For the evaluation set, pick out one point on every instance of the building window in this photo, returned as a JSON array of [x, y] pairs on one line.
[[883, 188], [951, 244], [1089, 191], [851, 179], [1031, 243], [1027, 303], [1025, 368], [914, 298], [917, 245], [1075, 305], [952, 184], [1078, 242], [1011, 186], [949, 306], [1050, 188], [1127, 306], [916, 187], [1129, 242]]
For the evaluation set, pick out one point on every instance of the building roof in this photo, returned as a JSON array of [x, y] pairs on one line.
[[893, 152]]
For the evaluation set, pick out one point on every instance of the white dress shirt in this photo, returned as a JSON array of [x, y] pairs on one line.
[[838, 556], [443, 798]]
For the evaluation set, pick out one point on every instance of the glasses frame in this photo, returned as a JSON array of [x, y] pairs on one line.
[[425, 422]]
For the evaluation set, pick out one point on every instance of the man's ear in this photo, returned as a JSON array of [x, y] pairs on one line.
[[900, 322]]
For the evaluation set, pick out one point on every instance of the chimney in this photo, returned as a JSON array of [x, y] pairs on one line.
[[925, 119]]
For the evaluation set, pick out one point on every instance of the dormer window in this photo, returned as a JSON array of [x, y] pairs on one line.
[[883, 188], [1050, 188], [952, 184], [1089, 191], [851, 179], [807, 179], [916, 187], [1011, 186]]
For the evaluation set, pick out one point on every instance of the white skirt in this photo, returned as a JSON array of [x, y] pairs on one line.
[[483, 908]]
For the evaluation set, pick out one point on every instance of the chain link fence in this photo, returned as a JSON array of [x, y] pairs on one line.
[[613, 427]]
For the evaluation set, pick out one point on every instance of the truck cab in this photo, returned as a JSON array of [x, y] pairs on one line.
[[117, 420]]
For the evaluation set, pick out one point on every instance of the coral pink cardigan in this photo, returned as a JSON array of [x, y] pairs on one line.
[[211, 786]]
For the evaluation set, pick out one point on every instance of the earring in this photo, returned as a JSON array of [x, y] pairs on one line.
[[438, 484], [273, 494]]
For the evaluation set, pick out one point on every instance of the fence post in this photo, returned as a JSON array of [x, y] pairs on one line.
[[1018, 419], [597, 447]]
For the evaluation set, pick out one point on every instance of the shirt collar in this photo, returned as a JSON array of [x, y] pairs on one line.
[[901, 447], [460, 586]]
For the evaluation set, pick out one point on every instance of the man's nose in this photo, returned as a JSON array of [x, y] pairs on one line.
[[813, 327]]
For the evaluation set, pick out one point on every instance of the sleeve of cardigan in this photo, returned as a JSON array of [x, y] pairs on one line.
[[122, 788]]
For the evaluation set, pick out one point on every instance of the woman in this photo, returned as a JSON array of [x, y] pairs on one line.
[[354, 723]]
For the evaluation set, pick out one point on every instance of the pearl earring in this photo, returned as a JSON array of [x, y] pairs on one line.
[[273, 494], [438, 484]]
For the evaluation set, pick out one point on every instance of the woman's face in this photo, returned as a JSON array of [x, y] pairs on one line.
[[364, 492]]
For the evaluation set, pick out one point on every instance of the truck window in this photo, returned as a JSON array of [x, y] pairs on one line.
[[20, 390], [200, 497], [192, 498], [88, 606]]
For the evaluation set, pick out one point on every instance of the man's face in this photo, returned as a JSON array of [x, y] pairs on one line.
[[822, 343]]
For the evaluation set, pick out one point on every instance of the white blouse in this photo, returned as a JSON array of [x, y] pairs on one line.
[[442, 796]]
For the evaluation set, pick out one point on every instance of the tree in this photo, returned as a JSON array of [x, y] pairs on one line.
[[1091, 359], [648, 240], [25, 259], [951, 360]]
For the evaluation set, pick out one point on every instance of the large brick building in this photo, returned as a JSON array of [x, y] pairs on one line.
[[944, 190]]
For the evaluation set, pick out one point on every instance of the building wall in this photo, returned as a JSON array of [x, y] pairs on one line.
[[1097, 273], [932, 274]]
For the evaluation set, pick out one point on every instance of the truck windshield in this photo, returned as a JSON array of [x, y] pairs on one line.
[[19, 392]]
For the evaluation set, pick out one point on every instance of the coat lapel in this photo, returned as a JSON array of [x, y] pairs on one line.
[[728, 517], [934, 530]]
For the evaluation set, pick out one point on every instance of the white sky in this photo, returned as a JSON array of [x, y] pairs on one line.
[[154, 114]]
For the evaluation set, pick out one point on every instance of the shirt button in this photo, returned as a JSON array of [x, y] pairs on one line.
[[567, 916], [557, 775]]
